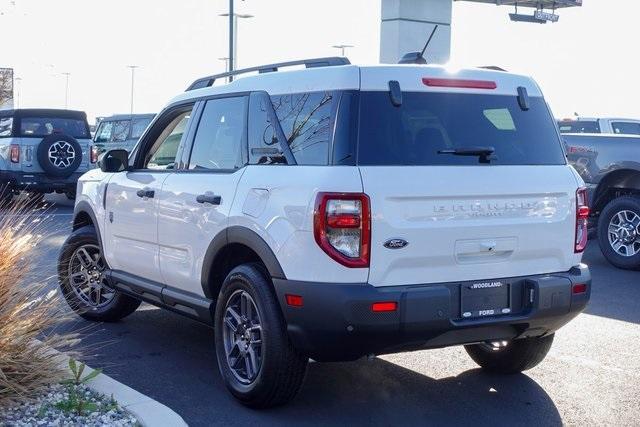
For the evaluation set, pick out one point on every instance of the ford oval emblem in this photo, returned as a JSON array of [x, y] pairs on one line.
[[395, 243]]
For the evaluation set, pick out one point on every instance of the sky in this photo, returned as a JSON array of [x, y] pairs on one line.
[[587, 63]]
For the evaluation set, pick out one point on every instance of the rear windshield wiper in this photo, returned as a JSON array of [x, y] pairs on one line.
[[485, 154]]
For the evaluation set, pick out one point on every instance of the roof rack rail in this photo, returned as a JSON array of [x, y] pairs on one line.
[[492, 67], [309, 63]]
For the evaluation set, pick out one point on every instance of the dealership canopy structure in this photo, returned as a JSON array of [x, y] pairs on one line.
[[407, 24]]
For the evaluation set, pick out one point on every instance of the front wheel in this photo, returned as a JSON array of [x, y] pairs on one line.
[[511, 357], [257, 362], [82, 271], [619, 232]]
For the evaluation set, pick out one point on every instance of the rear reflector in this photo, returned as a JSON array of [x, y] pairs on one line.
[[460, 83], [294, 300], [380, 307], [579, 288]]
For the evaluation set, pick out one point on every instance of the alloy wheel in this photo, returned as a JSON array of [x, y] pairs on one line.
[[624, 233], [87, 276], [61, 154], [242, 337]]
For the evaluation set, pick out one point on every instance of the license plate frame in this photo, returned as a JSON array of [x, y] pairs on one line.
[[488, 298]]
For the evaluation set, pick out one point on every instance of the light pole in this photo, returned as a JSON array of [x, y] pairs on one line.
[[233, 35], [226, 64], [342, 47], [18, 90], [133, 82], [66, 90]]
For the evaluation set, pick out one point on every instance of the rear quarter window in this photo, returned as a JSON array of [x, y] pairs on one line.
[[6, 126], [426, 125]]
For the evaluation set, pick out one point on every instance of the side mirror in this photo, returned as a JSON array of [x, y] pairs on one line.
[[114, 161]]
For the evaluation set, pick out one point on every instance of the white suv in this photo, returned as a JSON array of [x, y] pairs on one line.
[[336, 212]]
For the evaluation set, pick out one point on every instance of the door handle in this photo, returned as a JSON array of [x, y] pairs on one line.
[[209, 198], [146, 193]]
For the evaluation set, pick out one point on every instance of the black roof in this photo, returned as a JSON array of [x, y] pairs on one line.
[[44, 112]]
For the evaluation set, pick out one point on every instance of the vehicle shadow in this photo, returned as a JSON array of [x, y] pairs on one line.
[[172, 360], [615, 292]]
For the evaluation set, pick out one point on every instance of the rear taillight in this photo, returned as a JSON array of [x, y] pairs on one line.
[[15, 153], [94, 154], [342, 227], [582, 218]]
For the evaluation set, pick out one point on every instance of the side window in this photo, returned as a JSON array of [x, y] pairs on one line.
[[138, 127], [626, 128], [264, 147], [121, 130], [162, 154], [218, 140], [6, 124], [306, 121], [103, 134]]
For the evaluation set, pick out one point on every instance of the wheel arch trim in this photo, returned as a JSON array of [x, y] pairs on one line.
[[244, 236], [83, 207]]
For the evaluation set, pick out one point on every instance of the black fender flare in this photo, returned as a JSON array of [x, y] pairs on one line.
[[84, 207], [243, 236]]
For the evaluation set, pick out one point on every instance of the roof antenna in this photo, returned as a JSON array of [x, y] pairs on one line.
[[418, 57]]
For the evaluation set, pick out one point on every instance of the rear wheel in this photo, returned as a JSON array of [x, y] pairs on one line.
[[619, 232], [81, 271], [257, 362], [511, 357]]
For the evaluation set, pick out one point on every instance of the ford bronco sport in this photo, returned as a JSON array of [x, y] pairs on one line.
[[43, 150], [337, 212]]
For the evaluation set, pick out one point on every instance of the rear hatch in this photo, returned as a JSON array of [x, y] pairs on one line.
[[443, 208], [34, 125]]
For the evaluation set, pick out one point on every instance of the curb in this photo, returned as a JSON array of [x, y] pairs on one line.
[[148, 412]]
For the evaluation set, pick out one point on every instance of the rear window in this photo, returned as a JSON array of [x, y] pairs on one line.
[[138, 126], [579, 126], [43, 126], [426, 124]]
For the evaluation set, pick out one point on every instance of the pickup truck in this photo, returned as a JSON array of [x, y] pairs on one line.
[[607, 125], [610, 166]]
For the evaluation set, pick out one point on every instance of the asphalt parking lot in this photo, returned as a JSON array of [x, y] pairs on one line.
[[591, 376]]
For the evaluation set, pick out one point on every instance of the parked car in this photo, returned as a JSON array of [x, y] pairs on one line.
[[42, 151], [607, 125], [121, 131], [610, 165], [337, 212]]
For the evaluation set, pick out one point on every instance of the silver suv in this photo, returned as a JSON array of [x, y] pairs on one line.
[[43, 150], [121, 131]]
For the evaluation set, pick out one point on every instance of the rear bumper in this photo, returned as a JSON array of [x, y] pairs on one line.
[[336, 322], [38, 182]]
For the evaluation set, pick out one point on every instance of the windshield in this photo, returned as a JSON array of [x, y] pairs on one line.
[[43, 126], [579, 126], [427, 127]]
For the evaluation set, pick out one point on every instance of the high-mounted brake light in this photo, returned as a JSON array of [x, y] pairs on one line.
[[94, 154], [342, 227], [582, 219], [15, 153], [460, 83]]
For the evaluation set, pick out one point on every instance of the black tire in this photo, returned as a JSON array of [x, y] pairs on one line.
[[118, 307], [66, 153], [282, 369], [620, 204], [519, 355]]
